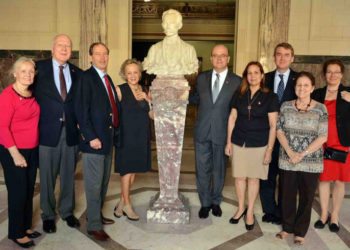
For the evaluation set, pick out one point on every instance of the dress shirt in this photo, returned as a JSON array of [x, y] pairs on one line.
[[56, 75], [223, 75], [102, 76], [278, 79]]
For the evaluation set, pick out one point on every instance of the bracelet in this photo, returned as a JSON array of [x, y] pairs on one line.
[[270, 148]]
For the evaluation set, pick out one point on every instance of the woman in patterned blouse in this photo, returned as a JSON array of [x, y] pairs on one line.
[[301, 130]]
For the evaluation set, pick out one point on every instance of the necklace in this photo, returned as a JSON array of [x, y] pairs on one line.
[[135, 89], [250, 102], [332, 91], [304, 110]]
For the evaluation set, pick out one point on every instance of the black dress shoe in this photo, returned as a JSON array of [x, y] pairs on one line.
[[320, 225], [33, 235], [24, 245], [204, 212], [267, 218], [49, 226], [334, 227], [235, 221], [250, 226], [216, 210], [72, 221]]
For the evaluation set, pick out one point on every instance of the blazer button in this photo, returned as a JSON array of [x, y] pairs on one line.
[[110, 127]]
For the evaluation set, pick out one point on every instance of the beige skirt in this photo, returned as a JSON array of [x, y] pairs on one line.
[[248, 162]]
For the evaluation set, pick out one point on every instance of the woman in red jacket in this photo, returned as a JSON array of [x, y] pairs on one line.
[[19, 150]]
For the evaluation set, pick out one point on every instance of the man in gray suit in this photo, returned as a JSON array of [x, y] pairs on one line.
[[214, 91]]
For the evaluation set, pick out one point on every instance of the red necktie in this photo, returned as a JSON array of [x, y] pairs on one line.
[[114, 106]]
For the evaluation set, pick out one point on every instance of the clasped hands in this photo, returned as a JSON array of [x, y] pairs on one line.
[[142, 96], [295, 157]]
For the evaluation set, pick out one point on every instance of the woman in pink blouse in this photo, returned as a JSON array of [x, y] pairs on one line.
[[19, 150]]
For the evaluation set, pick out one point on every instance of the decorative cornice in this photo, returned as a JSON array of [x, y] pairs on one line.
[[202, 10]]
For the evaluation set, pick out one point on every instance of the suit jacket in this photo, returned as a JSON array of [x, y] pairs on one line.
[[212, 118], [94, 113], [342, 113], [289, 91], [52, 105]]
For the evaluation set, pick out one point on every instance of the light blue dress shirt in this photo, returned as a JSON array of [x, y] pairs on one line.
[[278, 79], [56, 75]]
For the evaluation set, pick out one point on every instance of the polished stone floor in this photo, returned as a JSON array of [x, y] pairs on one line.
[[211, 233]]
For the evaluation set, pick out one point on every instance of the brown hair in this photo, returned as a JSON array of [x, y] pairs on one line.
[[333, 61], [284, 45], [243, 88], [305, 74], [91, 49], [128, 62]]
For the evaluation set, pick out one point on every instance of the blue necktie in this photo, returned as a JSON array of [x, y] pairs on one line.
[[216, 89], [280, 88]]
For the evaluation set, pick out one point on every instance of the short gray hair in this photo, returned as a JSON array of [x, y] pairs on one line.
[[128, 62], [58, 35], [19, 61]]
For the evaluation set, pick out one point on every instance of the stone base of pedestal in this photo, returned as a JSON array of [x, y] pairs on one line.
[[165, 212]]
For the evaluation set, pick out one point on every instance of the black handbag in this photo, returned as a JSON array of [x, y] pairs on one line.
[[335, 154]]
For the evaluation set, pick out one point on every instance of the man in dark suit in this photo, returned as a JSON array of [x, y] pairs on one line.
[[55, 91], [280, 81], [98, 117], [214, 91]]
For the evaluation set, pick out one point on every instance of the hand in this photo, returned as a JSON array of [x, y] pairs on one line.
[[151, 114], [140, 96], [345, 95], [267, 157], [228, 149], [19, 160], [297, 157], [96, 144]]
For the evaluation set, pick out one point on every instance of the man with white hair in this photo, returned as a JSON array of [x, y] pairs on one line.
[[55, 90]]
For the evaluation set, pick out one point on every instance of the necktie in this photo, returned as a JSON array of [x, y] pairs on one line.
[[63, 86], [280, 88], [111, 99], [216, 89]]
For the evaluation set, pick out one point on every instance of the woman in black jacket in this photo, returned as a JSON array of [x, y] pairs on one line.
[[336, 97]]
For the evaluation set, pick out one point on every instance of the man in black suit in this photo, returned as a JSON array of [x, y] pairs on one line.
[[214, 91], [280, 81], [97, 111], [55, 91]]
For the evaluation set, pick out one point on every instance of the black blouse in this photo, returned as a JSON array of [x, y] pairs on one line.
[[253, 130]]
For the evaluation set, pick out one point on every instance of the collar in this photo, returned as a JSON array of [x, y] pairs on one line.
[[56, 64], [100, 72], [223, 73], [284, 74]]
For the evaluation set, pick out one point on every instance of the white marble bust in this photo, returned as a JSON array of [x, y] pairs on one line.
[[172, 56]]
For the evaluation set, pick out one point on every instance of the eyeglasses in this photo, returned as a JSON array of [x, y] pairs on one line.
[[333, 73], [63, 46], [219, 56]]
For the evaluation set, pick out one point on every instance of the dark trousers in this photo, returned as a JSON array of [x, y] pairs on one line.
[[295, 220], [210, 172], [20, 189], [268, 187]]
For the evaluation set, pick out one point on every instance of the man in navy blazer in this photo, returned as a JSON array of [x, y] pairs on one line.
[[281, 81], [214, 91], [97, 111], [55, 88]]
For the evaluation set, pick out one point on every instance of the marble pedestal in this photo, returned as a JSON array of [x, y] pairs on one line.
[[169, 98]]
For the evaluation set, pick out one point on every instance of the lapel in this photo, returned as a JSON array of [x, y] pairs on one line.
[[209, 76], [51, 86], [289, 86], [73, 76], [225, 86], [100, 85]]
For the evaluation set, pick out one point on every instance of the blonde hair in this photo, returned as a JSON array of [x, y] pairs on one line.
[[128, 62], [18, 62]]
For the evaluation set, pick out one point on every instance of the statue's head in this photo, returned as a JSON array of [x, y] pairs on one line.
[[171, 22]]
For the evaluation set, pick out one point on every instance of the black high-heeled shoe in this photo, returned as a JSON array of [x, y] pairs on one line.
[[251, 226], [235, 221], [24, 245], [320, 225]]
